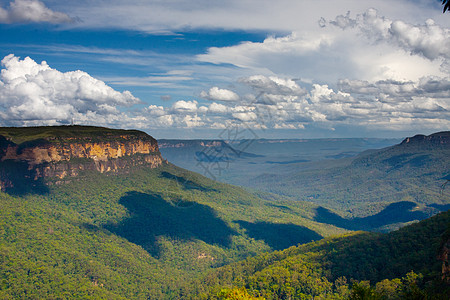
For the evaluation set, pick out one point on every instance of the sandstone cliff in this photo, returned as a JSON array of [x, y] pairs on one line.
[[439, 138], [65, 151]]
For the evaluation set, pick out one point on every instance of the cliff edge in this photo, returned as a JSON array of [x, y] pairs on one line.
[[33, 153]]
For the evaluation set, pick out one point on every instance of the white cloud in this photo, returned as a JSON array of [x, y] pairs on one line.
[[251, 54], [356, 103], [369, 46], [154, 110], [430, 40], [165, 121], [399, 91], [377, 68], [217, 108], [273, 85], [185, 106], [217, 94], [191, 121], [36, 92], [245, 116], [31, 11], [285, 15]]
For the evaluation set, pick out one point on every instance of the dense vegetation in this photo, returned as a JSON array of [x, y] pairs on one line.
[[400, 265], [149, 234], [168, 233], [375, 190], [145, 234], [21, 135], [363, 186]]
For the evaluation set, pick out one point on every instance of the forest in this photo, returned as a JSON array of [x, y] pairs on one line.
[[169, 233]]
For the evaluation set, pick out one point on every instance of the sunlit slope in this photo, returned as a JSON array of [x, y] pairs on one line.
[[326, 269], [144, 234]]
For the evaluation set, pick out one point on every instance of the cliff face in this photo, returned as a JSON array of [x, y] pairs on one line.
[[71, 150], [439, 138]]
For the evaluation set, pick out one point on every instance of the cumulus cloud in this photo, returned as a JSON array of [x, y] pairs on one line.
[[273, 85], [217, 108], [33, 94], [383, 104], [38, 93], [249, 54], [182, 114], [31, 11], [368, 46], [185, 106], [156, 111], [398, 91], [245, 116], [217, 94], [375, 105], [429, 39]]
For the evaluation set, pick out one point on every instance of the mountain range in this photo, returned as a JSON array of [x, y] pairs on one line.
[[98, 213]]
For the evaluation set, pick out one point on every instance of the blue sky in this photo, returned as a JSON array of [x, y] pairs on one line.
[[272, 69]]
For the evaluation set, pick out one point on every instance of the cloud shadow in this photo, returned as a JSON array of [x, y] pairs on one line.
[[279, 236], [398, 212], [151, 216], [186, 183]]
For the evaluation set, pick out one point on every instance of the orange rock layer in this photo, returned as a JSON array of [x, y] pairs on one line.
[[68, 158], [65, 152]]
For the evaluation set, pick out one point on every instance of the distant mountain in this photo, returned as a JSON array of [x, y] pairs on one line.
[[433, 140], [107, 219], [413, 171], [201, 151], [97, 213], [234, 161]]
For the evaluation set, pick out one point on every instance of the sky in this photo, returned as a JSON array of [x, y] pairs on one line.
[[228, 69]]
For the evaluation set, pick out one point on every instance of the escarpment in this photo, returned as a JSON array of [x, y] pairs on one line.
[[439, 138], [33, 153]]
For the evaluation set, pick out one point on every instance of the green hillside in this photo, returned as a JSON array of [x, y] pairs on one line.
[[19, 135], [168, 233], [411, 173], [140, 235], [400, 265]]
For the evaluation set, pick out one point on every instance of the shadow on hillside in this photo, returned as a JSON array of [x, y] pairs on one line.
[[281, 207], [185, 183], [399, 212], [440, 207], [151, 217], [17, 179], [279, 236]]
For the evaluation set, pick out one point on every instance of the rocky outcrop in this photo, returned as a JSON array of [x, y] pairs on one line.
[[71, 150], [439, 138]]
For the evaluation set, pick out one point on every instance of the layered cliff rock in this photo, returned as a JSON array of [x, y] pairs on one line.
[[435, 139], [66, 151]]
